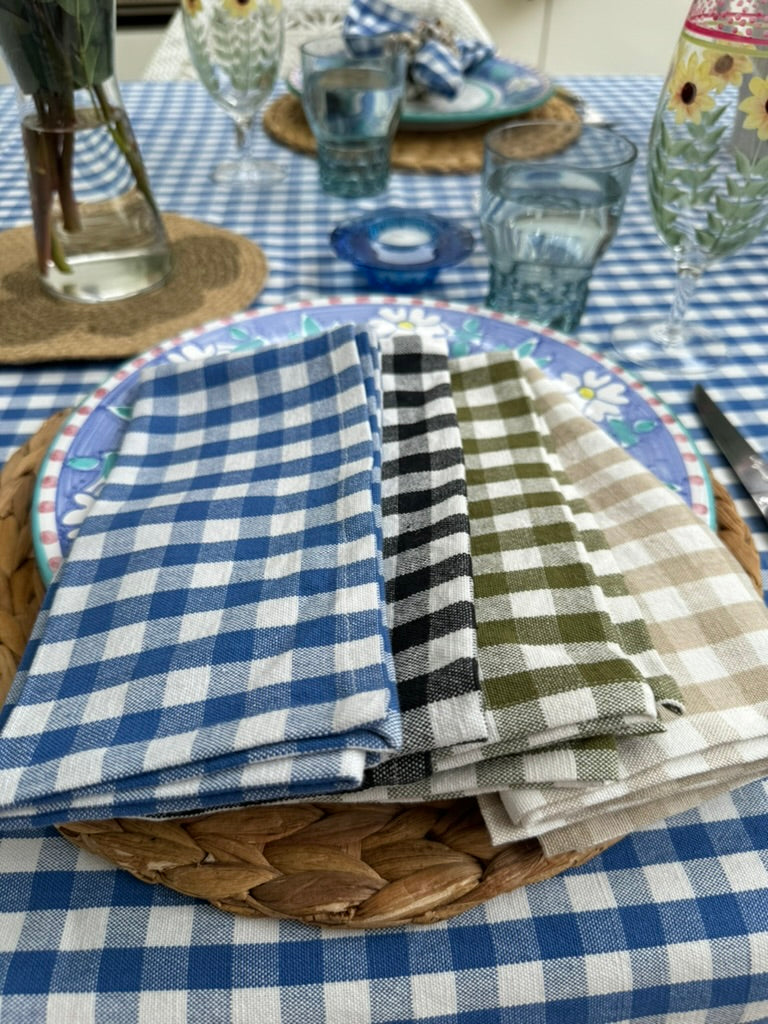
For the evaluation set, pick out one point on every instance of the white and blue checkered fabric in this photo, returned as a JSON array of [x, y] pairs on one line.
[[669, 926], [435, 65], [220, 622]]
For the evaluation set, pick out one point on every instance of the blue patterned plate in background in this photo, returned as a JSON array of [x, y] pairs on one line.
[[495, 89]]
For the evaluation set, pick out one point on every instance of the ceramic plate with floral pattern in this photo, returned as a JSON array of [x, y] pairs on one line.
[[493, 90], [82, 455]]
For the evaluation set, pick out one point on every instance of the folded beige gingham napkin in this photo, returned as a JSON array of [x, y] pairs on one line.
[[566, 661], [706, 622]]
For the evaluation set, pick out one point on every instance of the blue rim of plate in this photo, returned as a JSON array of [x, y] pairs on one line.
[[495, 89], [81, 455]]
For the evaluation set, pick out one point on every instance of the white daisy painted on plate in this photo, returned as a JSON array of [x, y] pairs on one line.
[[598, 395], [406, 320], [80, 504], [190, 352]]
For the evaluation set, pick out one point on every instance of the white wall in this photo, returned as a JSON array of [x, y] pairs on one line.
[[583, 36], [518, 26], [133, 49]]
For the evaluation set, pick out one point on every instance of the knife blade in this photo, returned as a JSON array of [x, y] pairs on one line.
[[748, 464]]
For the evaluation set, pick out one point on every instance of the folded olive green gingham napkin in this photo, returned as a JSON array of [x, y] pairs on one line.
[[709, 626], [565, 659], [565, 652]]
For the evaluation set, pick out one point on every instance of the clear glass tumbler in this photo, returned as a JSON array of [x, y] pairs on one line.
[[552, 196], [352, 93]]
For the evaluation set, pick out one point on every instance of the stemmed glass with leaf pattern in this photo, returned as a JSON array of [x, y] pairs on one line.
[[236, 47], [707, 171]]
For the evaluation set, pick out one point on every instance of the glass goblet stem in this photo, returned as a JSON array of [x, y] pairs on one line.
[[671, 342], [243, 127], [246, 171], [672, 331]]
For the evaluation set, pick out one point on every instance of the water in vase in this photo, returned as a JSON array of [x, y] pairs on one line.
[[99, 235]]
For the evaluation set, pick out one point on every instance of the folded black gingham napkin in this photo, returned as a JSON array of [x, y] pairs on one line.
[[438, 61], [427, 561], [218, 631]]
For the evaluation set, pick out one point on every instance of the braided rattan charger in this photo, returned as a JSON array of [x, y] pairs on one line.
[[361, 865], [438, 152]]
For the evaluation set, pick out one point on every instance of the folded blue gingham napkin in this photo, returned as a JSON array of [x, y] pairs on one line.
[[218, 632], [438, 62]]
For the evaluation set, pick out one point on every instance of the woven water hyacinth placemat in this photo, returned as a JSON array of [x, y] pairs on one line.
[[459, 151], [215, 273], [355, 865]]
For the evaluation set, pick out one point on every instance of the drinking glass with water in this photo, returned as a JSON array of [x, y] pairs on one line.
[[352, 93], [552, 198]]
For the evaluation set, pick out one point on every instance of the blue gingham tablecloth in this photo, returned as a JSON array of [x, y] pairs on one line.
[[670, 925]]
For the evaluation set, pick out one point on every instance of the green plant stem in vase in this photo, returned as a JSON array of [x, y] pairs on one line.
[[707, 171], [98, 232]]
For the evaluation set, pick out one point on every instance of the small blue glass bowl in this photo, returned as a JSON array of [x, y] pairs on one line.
[[401, 250]]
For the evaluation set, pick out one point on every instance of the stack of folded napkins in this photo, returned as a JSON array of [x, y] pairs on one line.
[[565, 660], [595, 587], [437, 60], [354, 569]]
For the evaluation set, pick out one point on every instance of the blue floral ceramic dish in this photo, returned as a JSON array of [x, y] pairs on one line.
[[495, 89], [80, 458]]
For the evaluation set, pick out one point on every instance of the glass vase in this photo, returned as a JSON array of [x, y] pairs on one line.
[[99, 235]]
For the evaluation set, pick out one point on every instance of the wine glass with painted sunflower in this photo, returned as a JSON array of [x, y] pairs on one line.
[[707, 171], [236, 47]]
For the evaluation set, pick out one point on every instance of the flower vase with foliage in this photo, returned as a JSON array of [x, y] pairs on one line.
[[81, 153]]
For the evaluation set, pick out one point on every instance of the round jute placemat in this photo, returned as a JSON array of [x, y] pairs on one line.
[[356, 865], [459, 151], [215, 273]]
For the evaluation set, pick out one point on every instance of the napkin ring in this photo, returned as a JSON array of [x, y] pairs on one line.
[[414, 39]]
